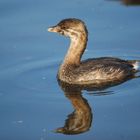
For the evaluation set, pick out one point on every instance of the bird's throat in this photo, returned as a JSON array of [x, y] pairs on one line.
[[76, 49]]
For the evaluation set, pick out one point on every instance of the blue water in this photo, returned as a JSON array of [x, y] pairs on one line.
[[32, 104]]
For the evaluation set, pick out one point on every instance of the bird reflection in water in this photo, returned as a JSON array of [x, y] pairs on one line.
[[80, 120]]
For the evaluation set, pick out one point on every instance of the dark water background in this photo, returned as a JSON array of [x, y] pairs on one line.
[[32, 104]]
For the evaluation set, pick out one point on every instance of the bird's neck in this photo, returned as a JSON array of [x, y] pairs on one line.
[[76, 49]]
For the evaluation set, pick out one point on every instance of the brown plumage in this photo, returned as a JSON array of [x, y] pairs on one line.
[[75, 71]]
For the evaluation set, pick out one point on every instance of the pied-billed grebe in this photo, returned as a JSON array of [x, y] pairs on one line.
[[75, 71]]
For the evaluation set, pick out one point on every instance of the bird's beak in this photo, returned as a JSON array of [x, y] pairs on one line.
[[54, 29]]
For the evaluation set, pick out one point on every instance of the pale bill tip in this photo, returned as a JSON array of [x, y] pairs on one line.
[[50, 29]]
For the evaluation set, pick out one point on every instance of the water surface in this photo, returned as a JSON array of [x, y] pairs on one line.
[[32, 104]]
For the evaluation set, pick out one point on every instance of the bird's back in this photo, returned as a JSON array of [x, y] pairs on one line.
[[104, 68]]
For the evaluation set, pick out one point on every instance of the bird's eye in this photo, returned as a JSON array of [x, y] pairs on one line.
[[64, 27]]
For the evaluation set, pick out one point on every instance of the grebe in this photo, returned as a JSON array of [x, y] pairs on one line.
[[90, 71]]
